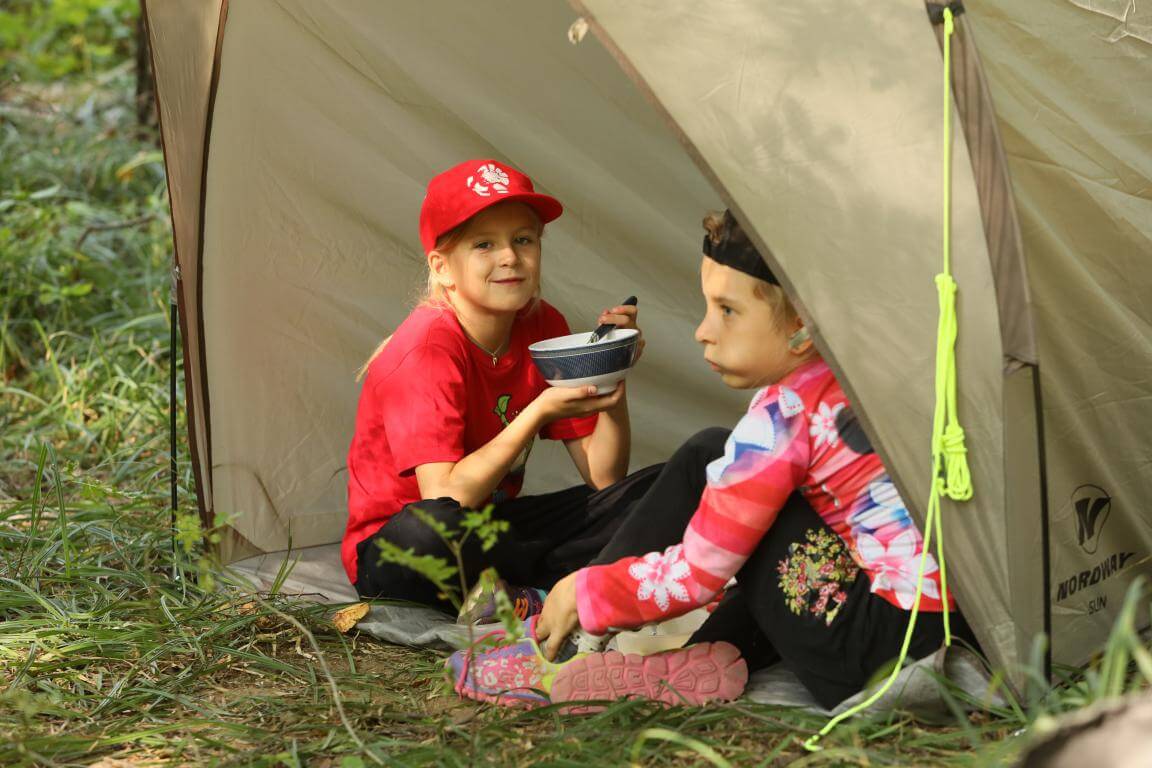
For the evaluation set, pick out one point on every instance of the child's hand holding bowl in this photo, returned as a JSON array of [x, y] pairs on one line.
[[572, 362], [559, 402]]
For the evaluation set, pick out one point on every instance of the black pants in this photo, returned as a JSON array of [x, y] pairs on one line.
[[549, 536], [773, 613]]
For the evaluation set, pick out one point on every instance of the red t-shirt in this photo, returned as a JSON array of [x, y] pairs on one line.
[[431, 396]]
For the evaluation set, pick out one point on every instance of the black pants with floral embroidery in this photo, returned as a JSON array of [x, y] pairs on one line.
[[800, 598]]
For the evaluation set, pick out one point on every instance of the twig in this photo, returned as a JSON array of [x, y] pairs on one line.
[[113, 225], [337, 699]]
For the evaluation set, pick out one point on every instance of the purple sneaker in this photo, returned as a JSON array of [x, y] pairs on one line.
[[515, 675], [480, 604], [518, 675]]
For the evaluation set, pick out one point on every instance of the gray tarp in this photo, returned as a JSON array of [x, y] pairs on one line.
[[315, 574]]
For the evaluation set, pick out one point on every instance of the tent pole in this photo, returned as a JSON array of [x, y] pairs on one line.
[[1045, 536], [173, 336]]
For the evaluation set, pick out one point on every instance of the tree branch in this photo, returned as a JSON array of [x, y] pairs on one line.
[[112, 225]]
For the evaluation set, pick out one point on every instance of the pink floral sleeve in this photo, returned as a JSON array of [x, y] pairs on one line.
[[799, 434], [765, 459]]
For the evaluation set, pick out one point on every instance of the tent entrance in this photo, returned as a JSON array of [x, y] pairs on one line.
[[298, 136]]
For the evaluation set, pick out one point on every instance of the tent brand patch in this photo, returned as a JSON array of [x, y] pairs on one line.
[[1092, 505], [1107, 568]]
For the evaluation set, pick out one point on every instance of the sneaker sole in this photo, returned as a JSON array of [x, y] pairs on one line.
[[695, 675]]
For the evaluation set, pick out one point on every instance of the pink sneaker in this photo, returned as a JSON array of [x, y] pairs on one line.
[[693, 675], [511, 674]]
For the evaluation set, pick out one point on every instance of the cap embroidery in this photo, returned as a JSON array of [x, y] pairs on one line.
[[494, 175]]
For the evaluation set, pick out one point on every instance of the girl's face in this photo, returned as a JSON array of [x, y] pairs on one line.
[[742, 339], [494, 268]]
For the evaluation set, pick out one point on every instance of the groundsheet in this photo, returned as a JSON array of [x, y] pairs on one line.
[[316, 574]]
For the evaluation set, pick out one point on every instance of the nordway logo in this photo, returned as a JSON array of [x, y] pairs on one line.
[[1092, 505], [1088, 577]]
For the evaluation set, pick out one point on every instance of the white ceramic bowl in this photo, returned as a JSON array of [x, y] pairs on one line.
[[570, 361]]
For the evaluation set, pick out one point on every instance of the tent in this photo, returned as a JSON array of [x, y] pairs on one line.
[[298, 135]]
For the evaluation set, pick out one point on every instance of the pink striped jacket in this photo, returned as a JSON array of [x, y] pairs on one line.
[[798, 434]]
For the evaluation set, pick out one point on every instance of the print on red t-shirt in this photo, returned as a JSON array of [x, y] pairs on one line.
[[434, 396]]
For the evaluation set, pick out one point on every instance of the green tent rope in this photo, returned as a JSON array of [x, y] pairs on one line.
[[950, 475]]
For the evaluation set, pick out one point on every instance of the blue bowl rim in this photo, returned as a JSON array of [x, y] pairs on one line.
[[581, 353], [585, 349]]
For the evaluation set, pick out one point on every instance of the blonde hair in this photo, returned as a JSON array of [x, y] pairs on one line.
[[434, 294], [722, 227]]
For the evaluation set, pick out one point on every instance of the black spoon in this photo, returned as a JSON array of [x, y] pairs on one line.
[[606, 328]]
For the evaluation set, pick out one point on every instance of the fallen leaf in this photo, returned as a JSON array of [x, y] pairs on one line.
[[577, 31], [346, 618]]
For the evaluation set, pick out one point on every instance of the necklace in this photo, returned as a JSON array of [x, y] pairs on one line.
[[492, 353]]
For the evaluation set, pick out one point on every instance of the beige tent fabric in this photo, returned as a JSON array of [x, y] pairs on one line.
[[1076, 117], [1135, 18], [330, 118], [994, 189], [823, 126], [183, 39], [820, 125], [1023, 492]]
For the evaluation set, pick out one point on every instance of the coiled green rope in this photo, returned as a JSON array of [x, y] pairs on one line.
[[950, 475]]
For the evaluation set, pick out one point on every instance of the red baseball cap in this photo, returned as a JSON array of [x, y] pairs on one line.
[[462, 191]]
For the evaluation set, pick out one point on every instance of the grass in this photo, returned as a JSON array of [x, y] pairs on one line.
[[111, 649]]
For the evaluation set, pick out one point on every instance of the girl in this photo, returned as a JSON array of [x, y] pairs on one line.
[[793, 503], [452, 402]]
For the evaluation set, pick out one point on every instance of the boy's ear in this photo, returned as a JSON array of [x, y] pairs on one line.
[[800, 341], [438, 266]]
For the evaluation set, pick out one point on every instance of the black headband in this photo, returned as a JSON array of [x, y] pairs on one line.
[[741, 256]]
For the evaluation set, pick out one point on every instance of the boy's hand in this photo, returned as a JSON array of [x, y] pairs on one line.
[[558, 618], [624, 316], [564, 402]]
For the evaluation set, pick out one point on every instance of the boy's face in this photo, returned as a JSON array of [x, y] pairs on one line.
[[495, 266], [742, 340]]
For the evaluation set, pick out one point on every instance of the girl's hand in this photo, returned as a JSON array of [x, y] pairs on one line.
[[558, 617], [624, 316], [565, 402]]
